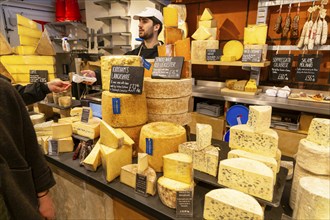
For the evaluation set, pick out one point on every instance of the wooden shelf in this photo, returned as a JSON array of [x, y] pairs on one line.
[[234, 63]]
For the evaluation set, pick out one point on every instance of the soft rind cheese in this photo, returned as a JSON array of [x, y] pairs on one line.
[[62, 130], [207, 15], [93, 160], [109, 137], [142, 162], [167, 88], [259, 117], [203, 136], [166, 138], [173, 106], [246, 175], [167, 189], [319, 131], [231, 204], [244, 138], [313, 199], [128, 177], [133, 109], [198, 48], [90, 130], [313, 157], [114, 159], [179, 167], [268, 161], [181, 119]]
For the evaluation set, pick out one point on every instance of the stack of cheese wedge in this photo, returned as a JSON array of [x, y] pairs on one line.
[[254, 160], [178, 176], [205, 36], [313, 157], [205, 156], [62, 133]]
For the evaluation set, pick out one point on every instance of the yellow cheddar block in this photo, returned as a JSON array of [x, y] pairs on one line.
[[208, 24], [28, 41], [114, 159], [90, 130], [182, 11], [142, 162], [251, 86], [28, 60], [23, 21], [228, 58], [255, 34], [172, 35], [165, 50], [21, 30], [62, 130], [127, 139], [109, 137], [207, 15], [93, 160], [201, 34], [65, 145], [24, 50], [170, 17], [182, 49], [4, 46], [14, 68]]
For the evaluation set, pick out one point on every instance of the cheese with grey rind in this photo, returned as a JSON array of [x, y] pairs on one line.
[[246, 175], [319, 131], [313, 199], [259, 117], [313, 157], [173, 105], [228, 204], [244, 138]]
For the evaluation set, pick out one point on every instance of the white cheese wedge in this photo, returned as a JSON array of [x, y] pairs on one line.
[[109, 137], [244, 138], [203, 136], [313, 199], [201, 33], [207, 15], [208, 24], [179, 167], [319, 131], [167, 189], [259, 118], [246, 175], [128, 177], [231, 204]]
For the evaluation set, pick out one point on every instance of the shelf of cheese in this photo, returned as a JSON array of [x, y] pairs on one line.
[[233, 63]]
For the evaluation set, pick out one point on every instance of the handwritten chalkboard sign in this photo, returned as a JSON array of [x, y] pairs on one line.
[[252, 55], [141, 184], [280, 69], [184, 204], [308, 67], [126, 79], [213, 54], [167, 68], [38, 76]]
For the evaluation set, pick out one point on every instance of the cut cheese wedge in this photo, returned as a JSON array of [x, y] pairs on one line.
[[259, 117], [208, 24], [207, 15], [26, 22], [24, 50], [172, 35], [45, 46], [142, 162], [319, 131], [25, 31], [28, 41], [90, 130], [65, 144], [179, 167], [62, 130], [203, 136], [109, 137], [93, 160], [127, 139], [170, 17], [182, 49], [4, 46], [201, 33]]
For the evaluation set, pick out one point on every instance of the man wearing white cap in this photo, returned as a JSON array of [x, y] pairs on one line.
[[150, 25]]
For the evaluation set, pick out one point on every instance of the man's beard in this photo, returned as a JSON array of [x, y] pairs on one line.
[[144, 35]]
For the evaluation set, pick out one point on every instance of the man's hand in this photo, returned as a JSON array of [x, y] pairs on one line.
[[46, 207], [88, 73], [58, 85]]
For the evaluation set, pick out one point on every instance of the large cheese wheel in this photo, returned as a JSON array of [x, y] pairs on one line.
[[167, 88], [298, 174], [181, 119], [229, 203], [233, 48], [164, 138], [313, 199], [133, 109], [134, 133], [198, 49], [313, 157], [167, 189], [168, 106]]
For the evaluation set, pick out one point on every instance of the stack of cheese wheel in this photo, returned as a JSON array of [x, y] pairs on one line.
[[125, 111], [254, 155], [313, 157], [168, 100]]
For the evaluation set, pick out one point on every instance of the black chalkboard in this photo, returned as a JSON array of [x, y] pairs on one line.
[[252, 55], [141, 184], [184, 204], [213, 54], [167, 68], [308, 67], [280, 68], [126, 79], [38, 76], [85, 115]]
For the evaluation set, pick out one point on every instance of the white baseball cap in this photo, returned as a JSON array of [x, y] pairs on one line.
[[149, 12]]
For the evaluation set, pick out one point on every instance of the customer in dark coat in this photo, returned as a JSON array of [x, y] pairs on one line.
[[25, 178]]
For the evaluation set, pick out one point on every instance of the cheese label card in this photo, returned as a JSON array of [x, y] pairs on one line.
[[167, 68], [53, 147], [127, 79], [252, 55], [213, 54], [149, 146], [141, 184], [38, 76], [308, 67], [146, 64], [184, 204], [116, 106], [85, 115], [280, 69]]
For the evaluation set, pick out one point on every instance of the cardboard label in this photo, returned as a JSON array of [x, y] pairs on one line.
[[167, 68], [184, 204], [127, 79], [38, 76], [280, 69], [308, 67], [53, 147], [213, 54], [141, 184], [252, 55], [85, 115]]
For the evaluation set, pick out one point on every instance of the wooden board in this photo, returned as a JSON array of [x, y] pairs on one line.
[[308, 99], [230, 91]]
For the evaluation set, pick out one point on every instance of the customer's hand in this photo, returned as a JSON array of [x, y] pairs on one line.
[[46, 207], [58, 85], [88, 73]]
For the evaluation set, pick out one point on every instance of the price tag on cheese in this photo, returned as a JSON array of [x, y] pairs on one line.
[[308, 67], [167, 68], [280, 69], [252, 55], [38, 76], [53, 147], [141, 184], [184, 204], [85, 115], [126, 79], [213, 54]]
